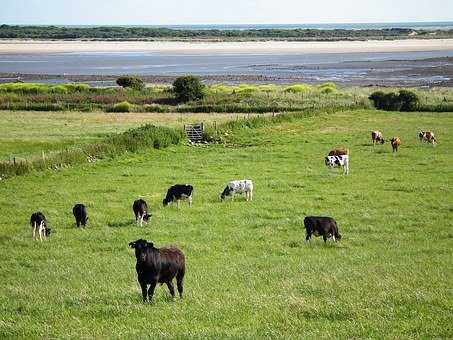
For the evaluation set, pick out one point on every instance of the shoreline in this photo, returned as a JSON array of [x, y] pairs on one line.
[[265, 47]]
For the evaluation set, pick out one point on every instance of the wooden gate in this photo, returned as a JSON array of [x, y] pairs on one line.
[[194, 132]]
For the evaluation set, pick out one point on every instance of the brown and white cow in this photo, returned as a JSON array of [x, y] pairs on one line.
[[427, 136], [376, 137], [395, 142], [338, 152]]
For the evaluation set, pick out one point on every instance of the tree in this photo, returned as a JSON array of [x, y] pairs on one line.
[[131, 82], [188, 88]]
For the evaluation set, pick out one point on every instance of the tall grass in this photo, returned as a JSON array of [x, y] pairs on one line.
[[133, 140]]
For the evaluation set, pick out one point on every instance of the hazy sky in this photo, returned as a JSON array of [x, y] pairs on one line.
[[221, 11]]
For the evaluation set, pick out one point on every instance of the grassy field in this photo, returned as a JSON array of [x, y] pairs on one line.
[[28, 133], [250, 273]]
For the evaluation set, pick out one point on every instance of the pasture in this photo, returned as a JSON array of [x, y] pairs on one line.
[[250, 273]]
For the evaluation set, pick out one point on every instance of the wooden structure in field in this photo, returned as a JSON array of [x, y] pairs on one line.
[[194, 132]]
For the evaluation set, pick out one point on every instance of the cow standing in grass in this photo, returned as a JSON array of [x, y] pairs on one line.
[[338, 152], [80, 214], [158, 265], [177, 193], [338, 162], [238, 187], [376, 137], [395, 142], [321, 226], [38, 224], [140, 209], [427, 136]]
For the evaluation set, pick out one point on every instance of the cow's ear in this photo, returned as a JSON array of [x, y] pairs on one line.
[[150, 244], [132, 244]]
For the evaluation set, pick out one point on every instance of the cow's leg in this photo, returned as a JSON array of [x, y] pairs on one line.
[[144, 291], [152, 286], [41, 229], [78, 223], [179, 282], [141, 220], [333, 237], [324, 237], [247, 196], [177, 204], [308, 237], [171, 289], [190, 201]]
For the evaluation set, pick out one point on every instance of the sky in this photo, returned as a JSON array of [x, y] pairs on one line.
[[161, 12]]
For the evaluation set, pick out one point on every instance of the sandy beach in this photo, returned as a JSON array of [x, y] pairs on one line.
[[33, 46]]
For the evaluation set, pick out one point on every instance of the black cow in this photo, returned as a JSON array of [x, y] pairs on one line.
[[178, 192], [158, 265], [141, 211], [321, 226], [80, 214], [38, 224]]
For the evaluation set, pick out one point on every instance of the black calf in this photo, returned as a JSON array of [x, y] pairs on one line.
[[80, 214], [158, 265]]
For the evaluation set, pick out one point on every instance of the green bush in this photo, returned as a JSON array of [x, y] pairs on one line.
[[122, 107], [188, 88], [298, 88], [327, 88], [409, 100], [131, 82], [404, 100]]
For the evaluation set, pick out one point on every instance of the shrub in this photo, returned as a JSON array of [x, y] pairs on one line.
[[298, 88], [122, 107], [386, 101], [409, 100], [327, 88], [404, 100], [131, 82], [188, 88]]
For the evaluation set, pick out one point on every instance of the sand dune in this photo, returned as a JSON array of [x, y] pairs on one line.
[[32, 46]]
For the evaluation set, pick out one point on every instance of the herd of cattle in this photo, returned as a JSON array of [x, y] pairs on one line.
[[162, 265]]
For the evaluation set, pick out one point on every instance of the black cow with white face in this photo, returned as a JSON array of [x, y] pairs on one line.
[[141, 212], [39, 227], [177, 193]]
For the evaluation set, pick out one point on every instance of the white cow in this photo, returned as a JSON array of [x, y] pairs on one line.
[[337, 162], [238, 187]]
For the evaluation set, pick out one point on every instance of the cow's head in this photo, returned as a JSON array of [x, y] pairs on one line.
[[166, 201], [226, 192], [47, 231], [141, 247], [329, 161], [146, 217], [382, 141]]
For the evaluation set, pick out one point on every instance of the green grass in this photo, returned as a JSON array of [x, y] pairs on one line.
[[249, 272], [28, 133]]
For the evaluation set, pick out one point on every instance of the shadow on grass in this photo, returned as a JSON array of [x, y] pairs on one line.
[[121, 224]]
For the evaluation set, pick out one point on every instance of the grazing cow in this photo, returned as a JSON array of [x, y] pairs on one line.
[[376, 137], [427, 136], [141, 212], [80, 214], [38, 224], [395, 142], [238, 187], [337, 162], [158, 265], [321, 226], [338, 152], [178, 192]]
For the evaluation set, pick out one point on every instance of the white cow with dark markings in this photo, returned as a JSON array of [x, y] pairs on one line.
[[238, 187], [338, 162]]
